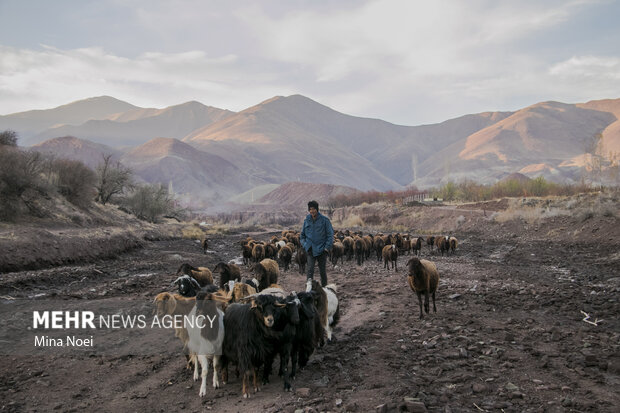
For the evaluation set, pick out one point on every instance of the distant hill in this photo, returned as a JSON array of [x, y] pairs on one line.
[[537, 140], [300, 193], [32, 122], [515, 176], [295, 138], [140, 125], [70, 147], [194, 175]]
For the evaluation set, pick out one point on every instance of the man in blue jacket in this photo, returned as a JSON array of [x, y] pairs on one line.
[[317, 238]]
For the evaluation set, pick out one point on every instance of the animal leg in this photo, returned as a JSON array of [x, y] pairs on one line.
[[204, 364], [216, 365], [420, 304], [256, 388], [434, 308], [426, 305], [244, 388], [294, 362], [196, 375], [284, 358]]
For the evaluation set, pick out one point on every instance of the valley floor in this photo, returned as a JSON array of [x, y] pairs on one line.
[[508, 335]]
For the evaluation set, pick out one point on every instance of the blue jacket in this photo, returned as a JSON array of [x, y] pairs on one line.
[[317, 234]]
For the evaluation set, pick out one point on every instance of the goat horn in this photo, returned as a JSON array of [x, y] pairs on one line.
[[195, 282], [247, 298]]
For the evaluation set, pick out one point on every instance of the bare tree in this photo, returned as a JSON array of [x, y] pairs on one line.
[[112, 179]]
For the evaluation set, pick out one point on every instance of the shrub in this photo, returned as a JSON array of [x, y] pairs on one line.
[[149, 202], [19, 172], [352, 221], [75, 181], [8, 138], [192, 232]]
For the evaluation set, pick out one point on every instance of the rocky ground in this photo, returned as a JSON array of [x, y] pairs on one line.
[[508, 334]]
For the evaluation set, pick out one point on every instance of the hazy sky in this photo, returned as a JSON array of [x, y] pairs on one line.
[[405, 61]]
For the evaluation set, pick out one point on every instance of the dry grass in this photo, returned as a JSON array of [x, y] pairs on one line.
[[583, 206], [193, 231], [352, 221]]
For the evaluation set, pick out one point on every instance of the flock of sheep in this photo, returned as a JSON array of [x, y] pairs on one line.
[[254, 320]]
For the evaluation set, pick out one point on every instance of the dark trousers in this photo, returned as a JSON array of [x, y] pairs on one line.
[[322, 260]]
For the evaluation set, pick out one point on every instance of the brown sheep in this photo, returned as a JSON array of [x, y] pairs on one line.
[[336, 253], [247, 254], [258, 252], [423, 278], [453, 244], [175, 304], [416, 245], [368, 245], [379, 244], [301, 258], [285, 255], [430, 241], [348, 247], [205, 245], [291, 246], [227, 272], [201, 274], [267, 273], [240, 291], [390, 254], [406, 246], [442, 244], [358, 249]]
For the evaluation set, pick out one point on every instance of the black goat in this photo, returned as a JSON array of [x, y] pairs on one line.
[[309, 334], [248, 338], [187, 285], [282, 337]]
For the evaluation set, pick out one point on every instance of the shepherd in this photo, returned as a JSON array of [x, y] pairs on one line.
[[317, 238]]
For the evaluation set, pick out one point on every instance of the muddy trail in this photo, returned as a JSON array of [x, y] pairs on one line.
[[508, 336]]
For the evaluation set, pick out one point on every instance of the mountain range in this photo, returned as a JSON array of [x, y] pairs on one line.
[[210, 154]]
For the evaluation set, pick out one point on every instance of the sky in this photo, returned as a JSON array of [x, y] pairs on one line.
[[407, 62]]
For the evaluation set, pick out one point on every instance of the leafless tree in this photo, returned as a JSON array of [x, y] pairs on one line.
[[112, 179]]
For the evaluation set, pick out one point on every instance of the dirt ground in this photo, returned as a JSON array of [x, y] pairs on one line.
[[508, 335]]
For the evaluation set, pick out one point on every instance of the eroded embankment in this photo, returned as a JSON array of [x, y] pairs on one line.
[[35, 248]]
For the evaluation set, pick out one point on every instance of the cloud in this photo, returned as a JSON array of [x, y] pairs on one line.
[[468, 56], [404, 61], [424, 38], [580, 67]]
